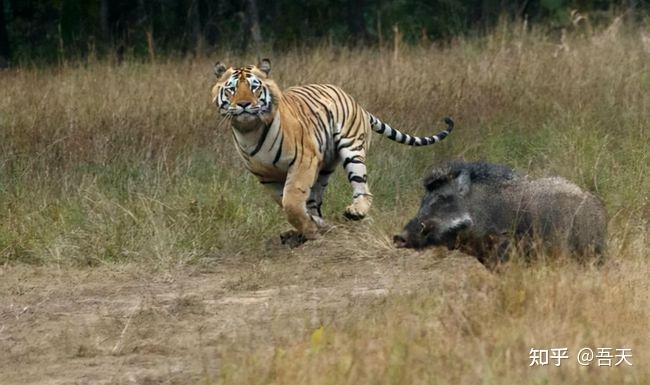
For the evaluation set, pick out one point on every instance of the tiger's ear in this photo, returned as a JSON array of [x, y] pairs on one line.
[[219, 69], [265, 66]]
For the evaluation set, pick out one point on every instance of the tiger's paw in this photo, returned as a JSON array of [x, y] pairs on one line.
[[323, 226], [352, 214], [293, 238], [358, 209]]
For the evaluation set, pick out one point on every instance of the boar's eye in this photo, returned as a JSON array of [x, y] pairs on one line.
[[443, 199]]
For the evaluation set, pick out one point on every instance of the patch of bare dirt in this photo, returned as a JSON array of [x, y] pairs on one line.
[[128, 325]]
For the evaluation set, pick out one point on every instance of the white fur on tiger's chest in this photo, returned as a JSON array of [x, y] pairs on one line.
[[262, 153]]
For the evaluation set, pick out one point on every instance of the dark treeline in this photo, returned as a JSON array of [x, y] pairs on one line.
[[46, 30]]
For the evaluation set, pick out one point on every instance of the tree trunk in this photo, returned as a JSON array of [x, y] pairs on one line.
[[194, 19], [5, 49], [631, 9], [356, 22], [103, 21], [254, 23]]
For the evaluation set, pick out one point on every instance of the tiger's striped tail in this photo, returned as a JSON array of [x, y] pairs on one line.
[[400, 137]]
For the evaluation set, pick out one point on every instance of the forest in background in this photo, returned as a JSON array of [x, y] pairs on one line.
[[42, 31]]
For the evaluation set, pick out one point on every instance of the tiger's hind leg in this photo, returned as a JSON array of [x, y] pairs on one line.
[[354, 163], [315, 200], [275, 189]]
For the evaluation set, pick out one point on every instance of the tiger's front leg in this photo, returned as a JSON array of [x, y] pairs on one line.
[[317, 190], [297, 188]]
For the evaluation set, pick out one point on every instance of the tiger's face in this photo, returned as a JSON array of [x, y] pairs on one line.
[[244, 94]]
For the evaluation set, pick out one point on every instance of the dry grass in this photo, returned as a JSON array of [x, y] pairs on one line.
[[483, 335], [127, 166]]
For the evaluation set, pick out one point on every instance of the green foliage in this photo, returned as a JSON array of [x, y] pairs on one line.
[[49, 30]]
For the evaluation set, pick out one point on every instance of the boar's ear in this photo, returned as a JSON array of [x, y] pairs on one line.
[[463, 182], [434, 181], [428, 183]]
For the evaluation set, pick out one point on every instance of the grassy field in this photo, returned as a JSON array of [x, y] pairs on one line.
[[111, 176]]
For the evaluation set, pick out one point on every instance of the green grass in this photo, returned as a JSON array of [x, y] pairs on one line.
[[105, 161]]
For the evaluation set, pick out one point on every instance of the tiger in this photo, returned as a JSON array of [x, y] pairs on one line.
[[292, 140]]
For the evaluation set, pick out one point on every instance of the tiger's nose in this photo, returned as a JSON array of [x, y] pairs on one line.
[[243, 104]]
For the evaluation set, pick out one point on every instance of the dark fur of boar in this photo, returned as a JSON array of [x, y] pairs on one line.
[[486, 209]]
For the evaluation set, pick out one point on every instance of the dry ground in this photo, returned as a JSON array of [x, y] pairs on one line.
[[130, 325], [387, 316]]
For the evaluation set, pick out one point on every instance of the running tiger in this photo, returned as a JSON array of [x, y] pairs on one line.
[[292, 140]]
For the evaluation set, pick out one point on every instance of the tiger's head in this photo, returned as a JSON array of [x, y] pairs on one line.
[[245, 94]]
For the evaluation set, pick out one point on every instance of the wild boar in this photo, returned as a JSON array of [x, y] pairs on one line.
[[486, 209]]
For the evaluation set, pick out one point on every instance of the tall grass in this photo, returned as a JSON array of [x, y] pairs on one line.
[[482, 336], [102, 163]]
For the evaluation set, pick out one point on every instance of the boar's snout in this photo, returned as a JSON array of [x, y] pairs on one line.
[[407, 240], [413, 236], [418, 234], [400, 241]]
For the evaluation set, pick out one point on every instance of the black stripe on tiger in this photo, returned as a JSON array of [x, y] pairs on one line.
[[400, 137], [317, 127], [357, 178]]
